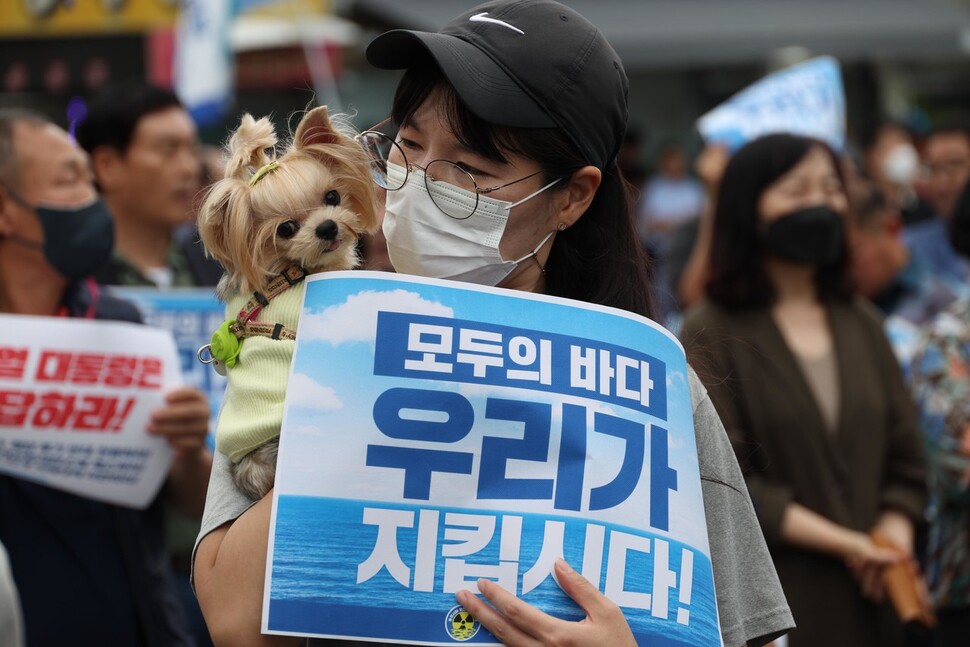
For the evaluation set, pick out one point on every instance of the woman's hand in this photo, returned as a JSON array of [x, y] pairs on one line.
[[897, 529], [867, 561], [516, 623]]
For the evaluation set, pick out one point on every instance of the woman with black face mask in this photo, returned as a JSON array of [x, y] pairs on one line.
[[809, 391]]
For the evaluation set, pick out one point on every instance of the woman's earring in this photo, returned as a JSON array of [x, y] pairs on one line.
[[562, 226]]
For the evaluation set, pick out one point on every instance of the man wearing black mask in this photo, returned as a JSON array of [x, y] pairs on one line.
[[100, 568]]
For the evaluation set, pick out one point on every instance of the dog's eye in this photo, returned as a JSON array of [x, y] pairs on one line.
[[287, 229], [331, 199]]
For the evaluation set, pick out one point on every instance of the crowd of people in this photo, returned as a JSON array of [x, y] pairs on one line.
[[823, 301]]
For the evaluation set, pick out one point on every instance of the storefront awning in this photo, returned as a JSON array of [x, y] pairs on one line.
[[680, 33], [257, 32]]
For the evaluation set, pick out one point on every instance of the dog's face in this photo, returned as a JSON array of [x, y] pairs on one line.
[[308, 209], [316, 223]]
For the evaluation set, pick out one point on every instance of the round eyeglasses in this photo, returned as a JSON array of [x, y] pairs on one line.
[[443, 179]]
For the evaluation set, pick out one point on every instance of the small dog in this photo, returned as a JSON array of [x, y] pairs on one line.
[[270, 222]]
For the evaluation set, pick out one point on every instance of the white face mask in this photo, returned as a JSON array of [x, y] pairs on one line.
[[423, 240], [901, 165]]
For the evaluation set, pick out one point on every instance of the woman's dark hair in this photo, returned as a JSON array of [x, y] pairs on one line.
[[597, 260], [737, 277], [960, 223]]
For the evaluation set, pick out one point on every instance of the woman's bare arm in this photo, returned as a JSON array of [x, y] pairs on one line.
[[230, 570]]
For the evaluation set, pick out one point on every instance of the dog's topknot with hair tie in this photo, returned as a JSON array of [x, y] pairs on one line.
[[263, 170]]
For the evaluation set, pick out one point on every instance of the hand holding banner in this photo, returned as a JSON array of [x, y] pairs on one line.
[[75, 400]]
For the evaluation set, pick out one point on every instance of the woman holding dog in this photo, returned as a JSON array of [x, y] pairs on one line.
[[521, 108]]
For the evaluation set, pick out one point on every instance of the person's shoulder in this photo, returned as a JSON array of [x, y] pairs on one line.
[[87, 298], [698, 392], [112, 308]]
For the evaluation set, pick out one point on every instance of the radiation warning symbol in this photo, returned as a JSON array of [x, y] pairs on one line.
[[460, 624]]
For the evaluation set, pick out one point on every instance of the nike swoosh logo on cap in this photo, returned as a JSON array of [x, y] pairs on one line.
[[483, 17]]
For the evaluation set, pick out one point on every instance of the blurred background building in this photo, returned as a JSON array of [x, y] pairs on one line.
[[908, 60]]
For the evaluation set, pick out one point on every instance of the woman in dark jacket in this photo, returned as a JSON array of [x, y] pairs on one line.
[[809, 391]]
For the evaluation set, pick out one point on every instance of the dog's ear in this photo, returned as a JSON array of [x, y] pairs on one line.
[[224, 212], [212, 222], [248, 146], [315, 129]]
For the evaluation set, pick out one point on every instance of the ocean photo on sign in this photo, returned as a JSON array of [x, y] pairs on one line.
[[311, 553], [437, 433]]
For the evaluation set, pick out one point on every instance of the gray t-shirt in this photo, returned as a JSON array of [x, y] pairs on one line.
[[751, 605]]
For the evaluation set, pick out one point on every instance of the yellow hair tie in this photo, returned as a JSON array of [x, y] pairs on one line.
[[257, 176]]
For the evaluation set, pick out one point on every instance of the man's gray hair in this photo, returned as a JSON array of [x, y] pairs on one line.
[[9, 163]]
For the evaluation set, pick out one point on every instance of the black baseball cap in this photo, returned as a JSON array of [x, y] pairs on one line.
[[525, 64]]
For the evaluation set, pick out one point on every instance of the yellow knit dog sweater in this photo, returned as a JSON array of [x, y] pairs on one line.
[[252, 409]]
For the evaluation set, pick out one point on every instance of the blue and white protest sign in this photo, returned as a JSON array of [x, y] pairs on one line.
[[805, 99], [76, 397], [436, 433], [191, 315]]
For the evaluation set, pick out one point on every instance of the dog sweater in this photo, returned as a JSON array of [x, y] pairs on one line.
[[252, 408]]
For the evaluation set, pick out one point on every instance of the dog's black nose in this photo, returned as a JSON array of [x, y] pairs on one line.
[[327, 230]]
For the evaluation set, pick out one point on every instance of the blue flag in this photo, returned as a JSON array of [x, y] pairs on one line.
[[805, 99]]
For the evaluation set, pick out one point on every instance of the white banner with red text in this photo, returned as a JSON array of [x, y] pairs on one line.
[[76, 398]]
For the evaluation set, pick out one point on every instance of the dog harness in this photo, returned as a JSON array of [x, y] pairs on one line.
[[226, 343]]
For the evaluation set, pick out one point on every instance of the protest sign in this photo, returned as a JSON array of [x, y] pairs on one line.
[[437, 432], [805, 99], [191, 315], [75, 401]]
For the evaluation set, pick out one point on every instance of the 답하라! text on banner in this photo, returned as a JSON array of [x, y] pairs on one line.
[[437, 432], [75, 400]]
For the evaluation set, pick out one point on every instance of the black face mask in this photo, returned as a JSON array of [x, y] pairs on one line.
[[77, 241], [812, 235]]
